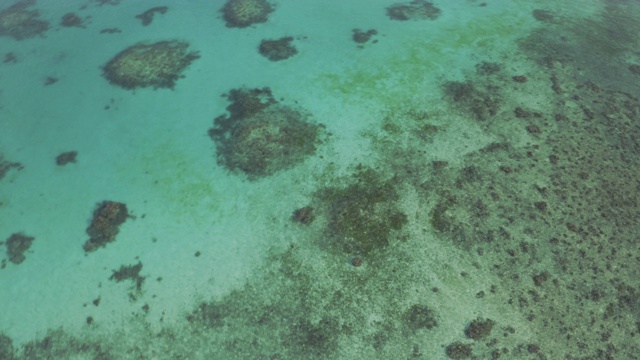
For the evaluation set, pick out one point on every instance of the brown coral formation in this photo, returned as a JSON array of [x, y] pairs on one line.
[[261, 137], [303, 215], [129, 272], [362, 37], [66, 157], [157, 65], [276, 50], [5, 166], [10, 58], [147, 16], [242, 13], [71, 20], [105, 224], [20, 23], [415, 10], [17, 245]]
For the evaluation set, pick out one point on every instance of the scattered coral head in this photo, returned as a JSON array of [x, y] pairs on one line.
[[242, 13], [415, 10], [276, 50]]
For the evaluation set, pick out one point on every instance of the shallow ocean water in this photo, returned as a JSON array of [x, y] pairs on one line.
[[400, 180]]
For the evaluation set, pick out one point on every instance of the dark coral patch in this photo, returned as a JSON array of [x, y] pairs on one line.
[[542, 15], [105, 224], [458, 350], [415, 10], [71, 20], [147, 17], [303, 215], [129, 272], [362, 37], [66, 157], [17, 245], [420, 317], [5, 166], [276, 50], [479, 329]]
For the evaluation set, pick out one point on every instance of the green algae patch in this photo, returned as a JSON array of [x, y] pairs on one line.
[[182, 185], [486, 32], [413, 67]]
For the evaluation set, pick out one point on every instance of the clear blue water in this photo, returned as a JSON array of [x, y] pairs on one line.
[[319, 180]]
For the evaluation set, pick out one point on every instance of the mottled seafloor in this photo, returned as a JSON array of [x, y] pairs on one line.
[[501, 136]]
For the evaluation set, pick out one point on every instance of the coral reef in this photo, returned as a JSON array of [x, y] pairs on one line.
[[10, 58], [363, 215], [110, 2], [5, 166], [71, 20], [56, 344], [17, 244], [66, 157], [481, 103], [512, 237], [129, 272], [242, 13], [362, 37], [147, 17], [479, 329], [7, 350], [158, 65], [276, 50], [543, 15], [20, 23], [110, 31], [303, 215], [105, 224], [458, 351], [415, 10], [420, 317], [261, 137], [50, 80]]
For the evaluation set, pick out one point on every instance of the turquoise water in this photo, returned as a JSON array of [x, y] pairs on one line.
[[319, 180]]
